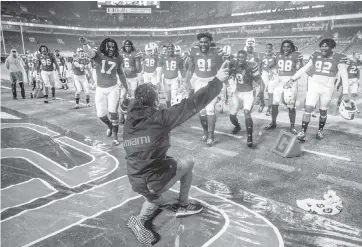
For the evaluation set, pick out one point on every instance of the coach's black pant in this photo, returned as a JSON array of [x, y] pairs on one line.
[[17, 77]]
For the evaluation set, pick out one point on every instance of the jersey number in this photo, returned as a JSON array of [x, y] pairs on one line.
[[171, 65], [265, 62], [46, 62], [353, 69], [285, 65], [239, 78], [109, 71], [204, 65], [126, 63], [150, 62], [324, 67]]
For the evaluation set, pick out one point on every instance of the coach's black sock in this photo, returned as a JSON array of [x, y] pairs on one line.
[[274, 113], [106, 120], [53, 91], [87, 99], [292, 114], [249, 126], [234, 120], [203, 121], [305, 126]]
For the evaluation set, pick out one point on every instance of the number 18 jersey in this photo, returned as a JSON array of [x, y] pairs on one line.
[[106, 69], [206, 64]]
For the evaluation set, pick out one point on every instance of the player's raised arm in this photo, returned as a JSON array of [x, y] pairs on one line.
[[190, 70], [342, 69], [159, 70], [87, 49], [189, 107], [303, 70]]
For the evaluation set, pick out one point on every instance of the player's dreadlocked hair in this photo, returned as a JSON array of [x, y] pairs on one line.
[[203, 35], [330, 42], [146, 95], [293, 47], [42, 47], [103, 46]]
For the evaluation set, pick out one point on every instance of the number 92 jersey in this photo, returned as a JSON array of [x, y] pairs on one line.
[[287, 65], [106, 69], [206, 64], [326, 66], [245, 76]]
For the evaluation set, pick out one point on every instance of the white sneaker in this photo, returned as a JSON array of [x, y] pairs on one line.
[[76, 106]]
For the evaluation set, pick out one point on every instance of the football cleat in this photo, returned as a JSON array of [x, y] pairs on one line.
[[267, 113], [249, 141], [88, 105], [319, 135], [76, 106], [205, 136], [54, 98], [271, 126], [261, 108], [293, 130], [115, 142], [109, 132], [236, 130], [46, 101], [301, 136], [210, 141]]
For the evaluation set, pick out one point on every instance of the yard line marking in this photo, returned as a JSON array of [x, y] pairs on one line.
[[6, 87], [221, 151], [274, 165], [340, 181], [326, 155], [219, 132], [5, 115]]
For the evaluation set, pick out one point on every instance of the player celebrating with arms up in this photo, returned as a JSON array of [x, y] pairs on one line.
[[244, 73], [205, 61], [325, 65], [170, 66], [288, 62], [108, 66]]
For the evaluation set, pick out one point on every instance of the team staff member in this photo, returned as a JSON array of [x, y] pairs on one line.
[[146, 136], [16, 66]]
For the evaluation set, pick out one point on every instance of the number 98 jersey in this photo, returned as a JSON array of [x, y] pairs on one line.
[[326, 66], [206, 64], [287, 65], [106, 69]]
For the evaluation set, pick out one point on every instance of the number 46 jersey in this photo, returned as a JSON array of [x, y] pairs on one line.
[[206, 64], [106, 69]]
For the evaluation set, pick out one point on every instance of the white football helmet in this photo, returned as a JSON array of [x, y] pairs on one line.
[[178, 50], [250, 42], [80, 52], [227, 50], [149, 49], [348, 112], [289, 96]]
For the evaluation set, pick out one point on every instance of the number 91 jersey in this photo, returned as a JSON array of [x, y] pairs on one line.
[[287, 65], [206, 64], [106, 69]]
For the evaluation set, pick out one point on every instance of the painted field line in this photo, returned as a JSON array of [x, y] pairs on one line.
[[221, 151], [340, 181], [80, 103], [181, 141], [326, 155], [5, 115], [218, 132], [5, 87], [274, 165]]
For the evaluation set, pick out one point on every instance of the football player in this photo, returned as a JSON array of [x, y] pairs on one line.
[[150, 61], [288, 61], [268, 74], [164, 50], [26, 68], [353, 79], [170, 66], [204, 62], [108, 66], [326, 64], [79, 66], [45, 68], [63, 68], [244, 74], [31, 70]]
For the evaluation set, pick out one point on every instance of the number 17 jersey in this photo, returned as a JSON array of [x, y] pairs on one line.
[[206, 64], [106, 69]]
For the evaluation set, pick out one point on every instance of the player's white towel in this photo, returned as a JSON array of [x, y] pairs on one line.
[[331, 205]]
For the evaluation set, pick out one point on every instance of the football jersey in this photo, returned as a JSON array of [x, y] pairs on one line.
[[129, 61], [352, 69], [46, 61], [327, 66], [268, 61], [81, 60], [206, 64], [170, 66], [31, 64], [60, 60], [245, 75], [253, 57], [106, 69], [150, 63], [26, 65], [287, 65]]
